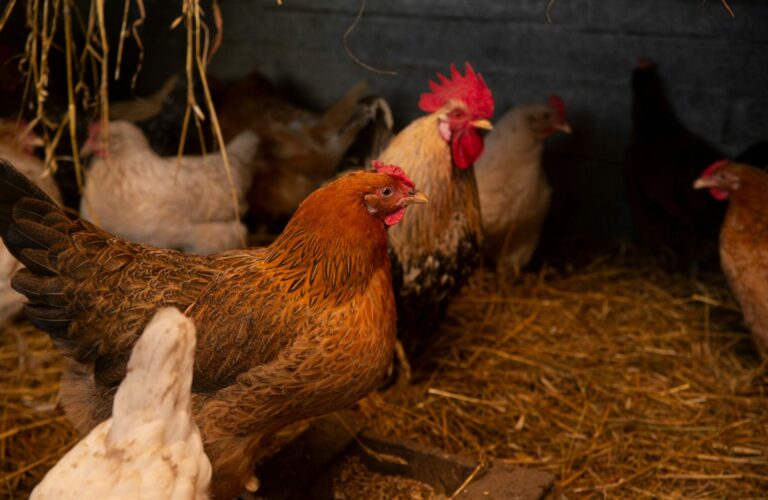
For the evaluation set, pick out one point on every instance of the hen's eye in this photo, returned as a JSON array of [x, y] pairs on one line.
[[386, 191]]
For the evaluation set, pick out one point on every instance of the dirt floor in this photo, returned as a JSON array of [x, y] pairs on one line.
[[355, 481], [622, 379]]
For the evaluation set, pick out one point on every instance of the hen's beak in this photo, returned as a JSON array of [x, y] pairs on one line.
[[483, 124], [704, 182], [564, 127], [417, 198], [35, 141], [90, 146]]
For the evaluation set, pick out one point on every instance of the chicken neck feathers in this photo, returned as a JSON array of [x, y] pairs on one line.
[[300, 328], [434, 250], [744, 250]]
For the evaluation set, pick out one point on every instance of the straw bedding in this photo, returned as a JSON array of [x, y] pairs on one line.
[[620, 378]]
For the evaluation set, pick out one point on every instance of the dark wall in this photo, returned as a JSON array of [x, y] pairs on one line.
[[716, 69]]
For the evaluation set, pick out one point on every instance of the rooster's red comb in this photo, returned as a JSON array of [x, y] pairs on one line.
[[393, 171], [714, 167], [469, 88], [558, 105]]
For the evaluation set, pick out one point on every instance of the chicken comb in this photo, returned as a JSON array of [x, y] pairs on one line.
[[558, 105], [469, 88], [393, 171], [93, 128], [714, 167]]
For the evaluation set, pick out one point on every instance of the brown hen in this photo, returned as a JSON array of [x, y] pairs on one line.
[[299, 149], [303, 327], [744, 239], [663, 159]]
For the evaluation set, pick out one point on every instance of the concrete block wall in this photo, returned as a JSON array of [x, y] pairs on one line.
[[715, 68]]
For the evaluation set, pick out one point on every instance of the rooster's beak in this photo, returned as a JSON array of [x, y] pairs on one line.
[[564, 127], [416, 198], [483, 124]]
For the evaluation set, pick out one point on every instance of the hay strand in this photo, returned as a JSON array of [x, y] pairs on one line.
[[728, 8], [345, 41], [617, 377], [605, 376], [71, 107]]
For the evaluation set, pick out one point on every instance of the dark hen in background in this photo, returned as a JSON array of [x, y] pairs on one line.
[[663, 161]]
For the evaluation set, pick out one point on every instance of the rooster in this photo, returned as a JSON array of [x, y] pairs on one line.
[[150, 447], [435, 251], [744, 239], [300, 328], [16, 145], [186, 204], [514, 192], [299, 149], [663, 160]]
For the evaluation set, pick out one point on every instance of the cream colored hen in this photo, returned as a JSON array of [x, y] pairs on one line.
[[184, 204], [16, 146], [150, 448], [514, 192]]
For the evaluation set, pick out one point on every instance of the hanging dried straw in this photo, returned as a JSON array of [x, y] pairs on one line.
[[43, 19]]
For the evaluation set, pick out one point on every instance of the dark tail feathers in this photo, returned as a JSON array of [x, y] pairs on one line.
[[31, 225]]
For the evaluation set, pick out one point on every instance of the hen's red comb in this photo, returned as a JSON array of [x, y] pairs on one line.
[[94, 127], [393, 171], [558, 105], [714, 167], [470, 88]]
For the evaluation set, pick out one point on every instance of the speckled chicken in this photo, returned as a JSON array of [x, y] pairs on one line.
[[16, 145], [150, 448], [514, 191], [299, 149], [145, 198], [744, 239], [435, 251], [303, 327]]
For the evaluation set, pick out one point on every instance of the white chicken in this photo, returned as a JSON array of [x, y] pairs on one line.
[[514, 192], [185, 204], [16, 146], [150, 448]]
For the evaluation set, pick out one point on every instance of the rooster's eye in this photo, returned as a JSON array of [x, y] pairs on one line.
[[386, 192], [457, 113]]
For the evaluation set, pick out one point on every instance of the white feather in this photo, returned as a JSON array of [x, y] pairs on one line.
[[150, 448], [514, 192], [185, 204]]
